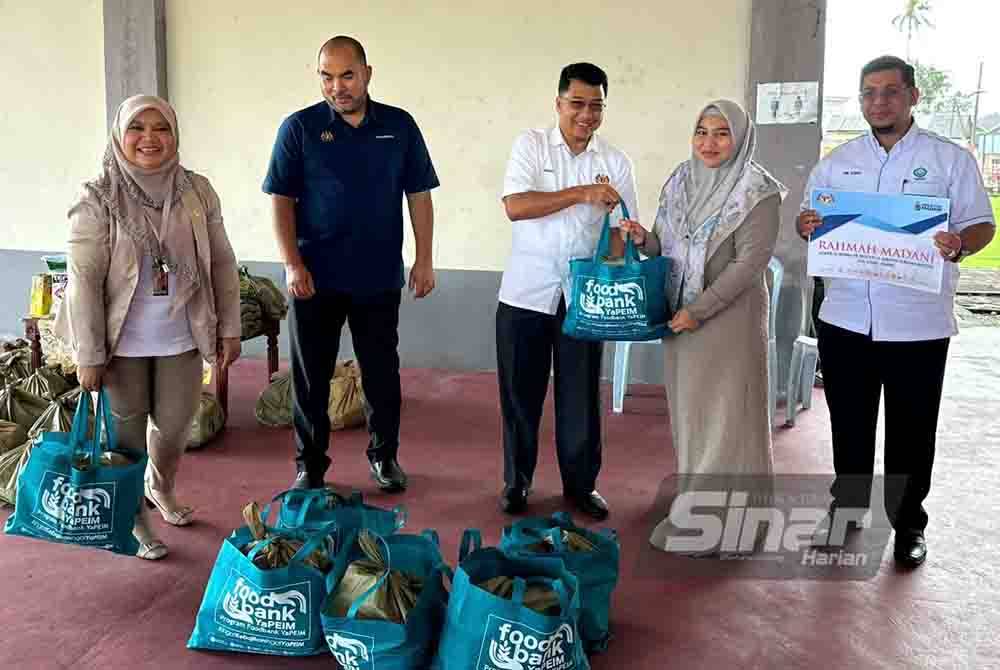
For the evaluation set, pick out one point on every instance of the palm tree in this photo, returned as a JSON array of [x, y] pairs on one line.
[[913, 18]]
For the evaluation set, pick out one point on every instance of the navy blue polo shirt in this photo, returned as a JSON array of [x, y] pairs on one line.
[[348, 184]]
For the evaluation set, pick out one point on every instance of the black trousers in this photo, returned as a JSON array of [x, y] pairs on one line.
[[529, 345], [856, 370], [314, 330]]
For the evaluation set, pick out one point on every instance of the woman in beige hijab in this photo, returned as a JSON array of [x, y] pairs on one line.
[[153, 289], [718, 222]]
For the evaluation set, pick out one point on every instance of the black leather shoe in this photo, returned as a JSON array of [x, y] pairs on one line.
[[911, 548], [304, 481], [592, 504], [514, 500], [388, 475]]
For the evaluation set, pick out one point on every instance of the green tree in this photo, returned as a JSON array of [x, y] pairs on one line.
[[913, 18], [937, 93]]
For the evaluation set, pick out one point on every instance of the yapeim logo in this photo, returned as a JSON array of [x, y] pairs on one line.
[[76, 509], [280, 612], [509, 645], [612, 300], [352, 653]]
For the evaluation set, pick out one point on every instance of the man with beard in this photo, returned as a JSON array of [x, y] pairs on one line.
[[337, 177], [878, 338]]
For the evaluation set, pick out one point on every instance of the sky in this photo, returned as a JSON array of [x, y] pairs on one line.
[[965, 32]]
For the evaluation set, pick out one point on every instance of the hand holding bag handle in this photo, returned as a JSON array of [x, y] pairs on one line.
[[102, 420], [604, 244]]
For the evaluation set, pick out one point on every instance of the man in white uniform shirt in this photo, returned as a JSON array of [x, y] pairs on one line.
[[878, 338], [559, 184]]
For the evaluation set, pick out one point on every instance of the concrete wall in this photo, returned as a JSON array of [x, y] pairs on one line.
[[472, 78], [52, 127]]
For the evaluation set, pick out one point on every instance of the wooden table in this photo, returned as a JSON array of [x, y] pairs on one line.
[[34, 337], [270, 329]]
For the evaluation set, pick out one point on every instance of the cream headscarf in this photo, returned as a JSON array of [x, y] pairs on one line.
[[141, 200], [700, 207]]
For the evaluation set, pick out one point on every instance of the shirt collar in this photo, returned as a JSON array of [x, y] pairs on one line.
[[371, 115], [556, 139]]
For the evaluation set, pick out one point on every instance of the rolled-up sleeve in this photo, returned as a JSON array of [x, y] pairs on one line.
[[285, 170]]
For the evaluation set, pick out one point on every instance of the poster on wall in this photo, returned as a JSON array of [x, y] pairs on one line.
[[787, 102]]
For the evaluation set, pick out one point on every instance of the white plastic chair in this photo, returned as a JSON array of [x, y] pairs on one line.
[[777, 277], [801, 377], [623, 350]]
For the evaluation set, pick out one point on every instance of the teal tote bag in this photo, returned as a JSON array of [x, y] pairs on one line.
[[596, 570], [618, 300], [366, 644], [253, 610], [483, 631], [94, 506], [316, 509]]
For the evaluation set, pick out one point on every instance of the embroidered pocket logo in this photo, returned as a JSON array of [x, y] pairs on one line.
[[920, 173], [326, 136]]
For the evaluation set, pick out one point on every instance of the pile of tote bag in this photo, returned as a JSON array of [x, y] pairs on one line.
[[350, 583]]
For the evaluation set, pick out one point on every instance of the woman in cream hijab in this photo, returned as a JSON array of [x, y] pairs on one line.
[[153, 289], [718, 222]]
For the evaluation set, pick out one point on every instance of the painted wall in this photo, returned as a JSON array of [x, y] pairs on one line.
[[473, 78], [52, 126]]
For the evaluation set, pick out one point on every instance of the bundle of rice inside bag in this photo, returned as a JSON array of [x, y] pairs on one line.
[[11, 436], [58, 416], [392, 601], [8, 346], [538, 595], [21, 407], [11, 464], [109, 459], [251, 319], [347, 398], [274, 405], [264, 292], [15, 362], [208, 421], [58, 354], [281, 548], [44, 383], [572, 541]]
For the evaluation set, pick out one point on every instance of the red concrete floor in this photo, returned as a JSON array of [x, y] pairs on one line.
[[63, 607]]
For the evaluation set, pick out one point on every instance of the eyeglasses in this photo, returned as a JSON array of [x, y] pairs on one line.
[[891, 94], [580, 105]]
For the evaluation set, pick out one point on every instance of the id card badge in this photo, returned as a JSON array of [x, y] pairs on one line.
[[161, 284]]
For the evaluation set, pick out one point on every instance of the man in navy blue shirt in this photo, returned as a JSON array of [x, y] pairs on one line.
[[337, 177]]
